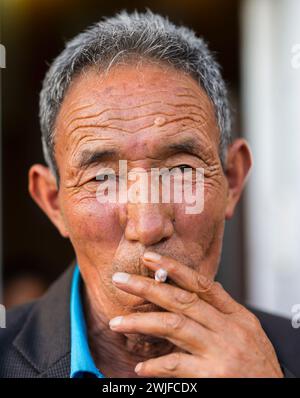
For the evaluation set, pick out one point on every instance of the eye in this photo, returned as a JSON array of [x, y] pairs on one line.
[[182, 167], [104, 177]]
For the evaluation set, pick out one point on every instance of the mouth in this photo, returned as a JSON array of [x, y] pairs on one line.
[[147, 306]]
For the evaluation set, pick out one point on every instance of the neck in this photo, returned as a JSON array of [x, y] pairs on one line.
[[116, 354]]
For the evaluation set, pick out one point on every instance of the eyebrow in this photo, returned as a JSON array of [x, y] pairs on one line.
[[188, 145], [88, 157]]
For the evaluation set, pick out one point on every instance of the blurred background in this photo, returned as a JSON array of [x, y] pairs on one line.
[[257, 42]]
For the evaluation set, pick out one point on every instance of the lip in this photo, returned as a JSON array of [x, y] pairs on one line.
[[146, 306], [142, 303]]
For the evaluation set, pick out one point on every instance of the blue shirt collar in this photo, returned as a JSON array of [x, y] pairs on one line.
[[82, 362]]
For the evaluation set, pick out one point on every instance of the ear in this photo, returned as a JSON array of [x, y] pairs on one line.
[[239, 162], [44, 191]]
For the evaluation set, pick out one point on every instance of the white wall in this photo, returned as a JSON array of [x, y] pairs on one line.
[[271, 122]]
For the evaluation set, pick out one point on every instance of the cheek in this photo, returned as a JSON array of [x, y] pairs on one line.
[[200, 228], [90, 221], [200, 236], [192, 227]]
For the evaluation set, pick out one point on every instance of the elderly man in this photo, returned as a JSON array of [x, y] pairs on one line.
[[139, 89]]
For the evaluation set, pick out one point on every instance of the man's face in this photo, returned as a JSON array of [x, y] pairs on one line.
[[151, 116]]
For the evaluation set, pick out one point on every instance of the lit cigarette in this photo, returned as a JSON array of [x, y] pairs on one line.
[[161, 275]]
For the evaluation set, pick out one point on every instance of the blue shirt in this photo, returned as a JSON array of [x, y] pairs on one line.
[[82, 363]]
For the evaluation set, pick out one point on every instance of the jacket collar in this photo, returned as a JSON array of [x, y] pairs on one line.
[[48, 326]]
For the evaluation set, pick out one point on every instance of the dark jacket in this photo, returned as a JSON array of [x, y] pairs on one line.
[[36, 341]]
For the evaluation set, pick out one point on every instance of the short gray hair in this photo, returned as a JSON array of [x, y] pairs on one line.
[[146, 35]]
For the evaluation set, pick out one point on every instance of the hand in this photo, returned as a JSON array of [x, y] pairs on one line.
[[217, 336]]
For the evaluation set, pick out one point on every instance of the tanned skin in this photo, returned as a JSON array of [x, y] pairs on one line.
[[152, 116]]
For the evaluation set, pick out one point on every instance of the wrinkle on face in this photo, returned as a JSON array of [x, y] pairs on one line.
[[119, 119], [145, 102]]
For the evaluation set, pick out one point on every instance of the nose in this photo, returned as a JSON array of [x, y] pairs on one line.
[[148, 223]]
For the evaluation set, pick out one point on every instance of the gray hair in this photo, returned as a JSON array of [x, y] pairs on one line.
[[143, 34]]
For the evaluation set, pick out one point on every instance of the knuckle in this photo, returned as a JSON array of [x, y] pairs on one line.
[[172, 267], [203, 283], [218, 284], [174, 321], [146, 287], [254, 323], [218, 290], [186, 299], [173, 361]]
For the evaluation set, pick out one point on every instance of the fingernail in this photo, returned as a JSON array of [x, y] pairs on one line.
[[152, 256], [121, 277], [138, 367], [115, 321]]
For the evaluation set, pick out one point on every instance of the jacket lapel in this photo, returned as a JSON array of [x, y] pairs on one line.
[[44, 339]]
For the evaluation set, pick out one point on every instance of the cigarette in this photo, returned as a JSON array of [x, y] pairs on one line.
[[161, 275]]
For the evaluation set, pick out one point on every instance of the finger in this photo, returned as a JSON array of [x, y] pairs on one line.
[[173, 365], [171, 298], [178, 329], [187, 278]]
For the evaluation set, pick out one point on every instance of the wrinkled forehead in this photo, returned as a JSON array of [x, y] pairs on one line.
[[135, 99], [133, 86]]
